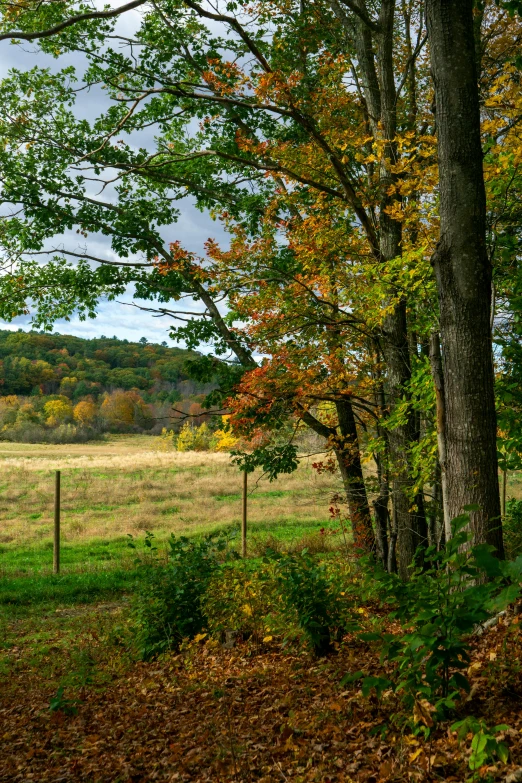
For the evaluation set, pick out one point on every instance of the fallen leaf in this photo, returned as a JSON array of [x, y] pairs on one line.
[[422, 712]]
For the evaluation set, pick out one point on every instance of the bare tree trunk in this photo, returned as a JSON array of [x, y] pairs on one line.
[[382, 514], [463, 273], [347, 452], [504, 491], [385, 543], [348, 457]]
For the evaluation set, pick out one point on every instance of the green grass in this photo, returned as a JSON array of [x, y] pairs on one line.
[[65, 589], [77, 556], [104, 554]]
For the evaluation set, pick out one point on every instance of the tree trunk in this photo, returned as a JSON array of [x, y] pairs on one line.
[[381, 510], [348, 457], [463, 273], [347, 452], [382, 515], [438, 380], [375, 58], [410, 525]]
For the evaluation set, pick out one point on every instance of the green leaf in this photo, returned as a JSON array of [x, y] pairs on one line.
[[502, 752], [379, 683], [506, 597], [459, 523], [486, 561], [349, 678], [479, 742]]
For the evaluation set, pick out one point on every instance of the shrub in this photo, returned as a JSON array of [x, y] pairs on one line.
[[168, 607], [239, 598], [202, 437], [192, 438], [484, 745], [512, 528], [438, 608], [185, 439], [308, 597], [223, 439], [167, 440], [35, 433]]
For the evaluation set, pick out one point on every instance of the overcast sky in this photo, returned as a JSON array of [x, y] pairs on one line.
[[192, 229]]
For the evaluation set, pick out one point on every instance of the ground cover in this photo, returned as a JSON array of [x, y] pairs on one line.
[[76, 706]]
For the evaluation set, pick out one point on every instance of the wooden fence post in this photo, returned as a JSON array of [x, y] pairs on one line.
[[56, 548], [244, 517]]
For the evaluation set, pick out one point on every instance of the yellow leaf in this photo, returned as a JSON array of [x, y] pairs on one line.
[[415, 754], [199, 637], [268, 638]]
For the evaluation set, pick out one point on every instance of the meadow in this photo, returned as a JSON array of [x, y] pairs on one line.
[[128, 485]]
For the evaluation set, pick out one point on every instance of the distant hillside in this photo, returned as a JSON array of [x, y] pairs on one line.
[[60, 387], [40, 363]]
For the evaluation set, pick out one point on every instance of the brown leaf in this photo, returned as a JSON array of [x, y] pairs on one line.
[[422, 712]]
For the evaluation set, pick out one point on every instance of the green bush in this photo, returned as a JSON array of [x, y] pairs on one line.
[[168, 606], [308, 597], [438, 608], [484, 745], [240, 598]]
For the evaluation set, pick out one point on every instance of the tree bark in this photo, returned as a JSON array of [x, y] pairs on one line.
[[347, 452], [463, 273], [348, 457], [438, 381]]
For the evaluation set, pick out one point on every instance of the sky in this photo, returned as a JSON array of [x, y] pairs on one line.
[[193, 228]]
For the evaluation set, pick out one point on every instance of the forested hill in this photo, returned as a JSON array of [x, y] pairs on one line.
[[59, 388], [35, 363]]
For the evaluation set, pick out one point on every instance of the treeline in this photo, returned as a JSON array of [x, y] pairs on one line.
[[61, 388]]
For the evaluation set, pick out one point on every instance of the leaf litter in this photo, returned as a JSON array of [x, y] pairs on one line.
[[252, 713]]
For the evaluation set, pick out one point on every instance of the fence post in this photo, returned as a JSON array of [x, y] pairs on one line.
[[244, 517], [56, 548]]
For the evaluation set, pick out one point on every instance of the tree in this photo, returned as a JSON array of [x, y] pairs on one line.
[[85, 413], [120, 408], [58, 411], [463, 273]]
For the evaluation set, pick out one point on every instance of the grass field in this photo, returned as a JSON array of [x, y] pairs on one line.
[[127, 485]]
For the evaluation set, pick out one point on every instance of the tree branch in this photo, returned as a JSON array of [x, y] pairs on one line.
[[23, 36], [363, 15]]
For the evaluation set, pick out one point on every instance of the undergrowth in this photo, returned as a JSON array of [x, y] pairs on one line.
[[424, 630]]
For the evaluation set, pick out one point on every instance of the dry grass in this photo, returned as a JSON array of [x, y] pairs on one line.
[[126, 485]]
